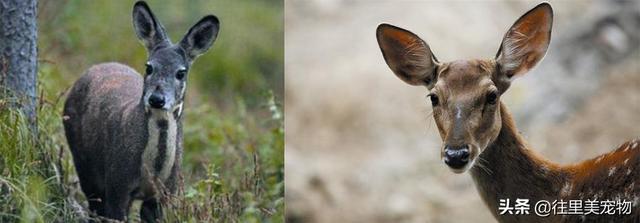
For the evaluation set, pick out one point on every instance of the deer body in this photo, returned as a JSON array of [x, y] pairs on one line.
[[125, 130], [480, 136], [109, 131]]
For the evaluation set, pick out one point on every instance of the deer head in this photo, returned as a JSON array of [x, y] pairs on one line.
[[168, 63], [465, 94]]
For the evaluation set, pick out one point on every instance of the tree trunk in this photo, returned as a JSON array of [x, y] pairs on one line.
[[18, 55]]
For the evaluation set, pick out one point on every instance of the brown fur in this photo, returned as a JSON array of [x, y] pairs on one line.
[[512, 170], [500, 161]]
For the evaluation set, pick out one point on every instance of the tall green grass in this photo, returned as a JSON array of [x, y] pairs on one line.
[[33, 179], [235, 172]]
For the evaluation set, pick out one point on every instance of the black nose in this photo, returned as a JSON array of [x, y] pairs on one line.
[[156, 101], [456, 157]]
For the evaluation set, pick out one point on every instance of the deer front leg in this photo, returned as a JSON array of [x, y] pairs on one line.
[[117, 203], [151, 211], [96, 204]]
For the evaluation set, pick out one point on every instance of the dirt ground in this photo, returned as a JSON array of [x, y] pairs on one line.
[[361, 145]]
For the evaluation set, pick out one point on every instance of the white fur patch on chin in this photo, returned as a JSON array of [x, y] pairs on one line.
[[178, 108], [475, 163]]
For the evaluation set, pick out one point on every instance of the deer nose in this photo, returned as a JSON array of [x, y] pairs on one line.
[[456, 157], [156, 101]]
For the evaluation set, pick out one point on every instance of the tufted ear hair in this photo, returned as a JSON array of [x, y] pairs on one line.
[[408, 56]]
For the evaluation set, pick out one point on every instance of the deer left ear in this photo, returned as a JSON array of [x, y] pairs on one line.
[[200, 37], [526, 42]]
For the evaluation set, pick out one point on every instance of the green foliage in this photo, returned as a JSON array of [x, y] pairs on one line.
[[233, 164], [238, 168], [31, 183]]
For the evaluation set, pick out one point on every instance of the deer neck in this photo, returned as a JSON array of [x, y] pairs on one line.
[[162, 143], [509, 170]]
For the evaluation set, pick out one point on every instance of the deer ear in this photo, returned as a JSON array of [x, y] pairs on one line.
[[200, 37], [526, 42], [147, 27], [408, 56]]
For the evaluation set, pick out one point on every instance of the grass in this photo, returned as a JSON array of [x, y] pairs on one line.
[[233, 168], [233, 165], [245, 177], [32, 183]]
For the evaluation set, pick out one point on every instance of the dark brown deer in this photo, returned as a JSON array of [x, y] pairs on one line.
[[479, 134], [125, 130]]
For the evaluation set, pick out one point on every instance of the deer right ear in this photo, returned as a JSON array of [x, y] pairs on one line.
[[147, 27], [200, 37], [408, 56], [526, 42]]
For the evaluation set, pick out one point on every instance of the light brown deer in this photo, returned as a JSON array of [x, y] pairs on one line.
[[479, 133]]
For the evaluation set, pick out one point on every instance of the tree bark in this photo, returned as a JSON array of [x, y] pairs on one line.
[[18, 55]]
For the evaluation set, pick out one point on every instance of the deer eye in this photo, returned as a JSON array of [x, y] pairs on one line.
[[148, 69], [492, 98], [434, 99], [181, 73]]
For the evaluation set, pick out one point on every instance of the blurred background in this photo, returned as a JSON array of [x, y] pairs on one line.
[[233, 164], [362, 145]]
